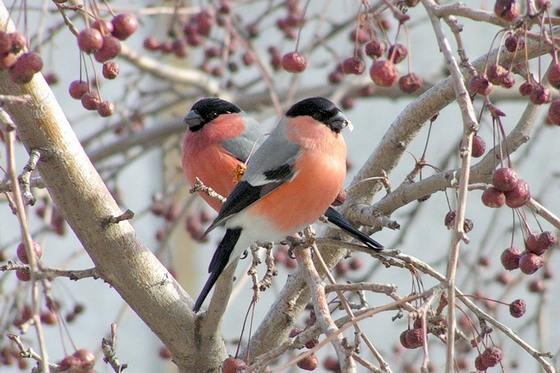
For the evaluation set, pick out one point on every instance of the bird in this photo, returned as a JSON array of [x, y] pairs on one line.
[[289, 182]]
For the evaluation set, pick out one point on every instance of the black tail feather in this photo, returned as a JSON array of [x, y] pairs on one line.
[[340, 221], [218, 264]]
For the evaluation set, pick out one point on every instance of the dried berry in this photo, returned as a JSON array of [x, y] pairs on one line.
[[517, 308], [530, 263], [374, 48], [310, 362], [505, 179], [495, 73], [512, 43], [90, 101], [539, 95], [519, 195], [526, 88], [27, 65], [104, 26], [78, 88], [478, 147], [86, 357], [508, 10], [384, 73], [554, 112], [480, 84], [510, 258], [554, 75], [397, 53], [546, 240], [494, 198], [232, 365], [110, 49], [90, 40], [110, 70], [414, 338], [410, 83], [531, 243], [22, 252], [491, 356], [124, 25], [106, 109], [353, 65]]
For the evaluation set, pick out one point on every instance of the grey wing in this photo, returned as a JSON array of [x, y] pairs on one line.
[[270, 166], [242, 146]]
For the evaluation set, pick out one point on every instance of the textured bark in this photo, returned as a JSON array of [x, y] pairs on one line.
[[84, 200]]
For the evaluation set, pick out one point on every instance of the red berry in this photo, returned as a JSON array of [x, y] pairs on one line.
[[90, 40], [410, 83], [165, 353], [22, 253], [110, 49], [23, 275], [495, 73], [480, 84], [414, 338], [86, 357], [504, 278], [478, 146], [546, 240], [341, 268], [512, 42], [356, 264], [331, 364], [537, 286], [530, 263], [519, 195], [90, 101], [505, 179], [531, 244], [78, 88], [151, 43], [539, 95], [517, 308], [353, 65], [232, 365], [397, 53], [402, 339], [25, 67], [508, 10], [360, 35], [124, 25], [510, 258], [554, 75], [384, 73], [104, 26], [479, 365], [49, 318], [105, 109], [294, 62], [110, 70], [179, 48], [493, 198], [526, 88], [507, 80], [554, 111], [310, 362], [335, 77], [375, 48], [248, 58], [491, 356], [8, 60], [449, 220], [69, 363]]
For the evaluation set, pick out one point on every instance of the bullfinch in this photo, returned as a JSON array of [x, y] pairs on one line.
[[220, 138], [289, 182]]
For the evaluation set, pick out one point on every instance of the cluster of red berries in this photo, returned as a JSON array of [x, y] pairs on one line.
[[449, 222], [22, 67], [532, 259], [283, 256], [415, 337], [102, 39], [507, 188], [81, 361], [21, 252]]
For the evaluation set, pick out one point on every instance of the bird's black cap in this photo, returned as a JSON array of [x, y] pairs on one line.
[[322, 110], [207, 109]]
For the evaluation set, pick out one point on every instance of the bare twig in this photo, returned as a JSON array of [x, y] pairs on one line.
[[200, 187], [108, 346], [25, 177], [52, 273]]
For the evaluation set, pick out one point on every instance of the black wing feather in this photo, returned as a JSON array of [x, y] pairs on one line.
[[340, 221]]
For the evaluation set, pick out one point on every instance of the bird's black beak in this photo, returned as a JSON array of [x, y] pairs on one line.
[[194, 121], [339, 122]]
